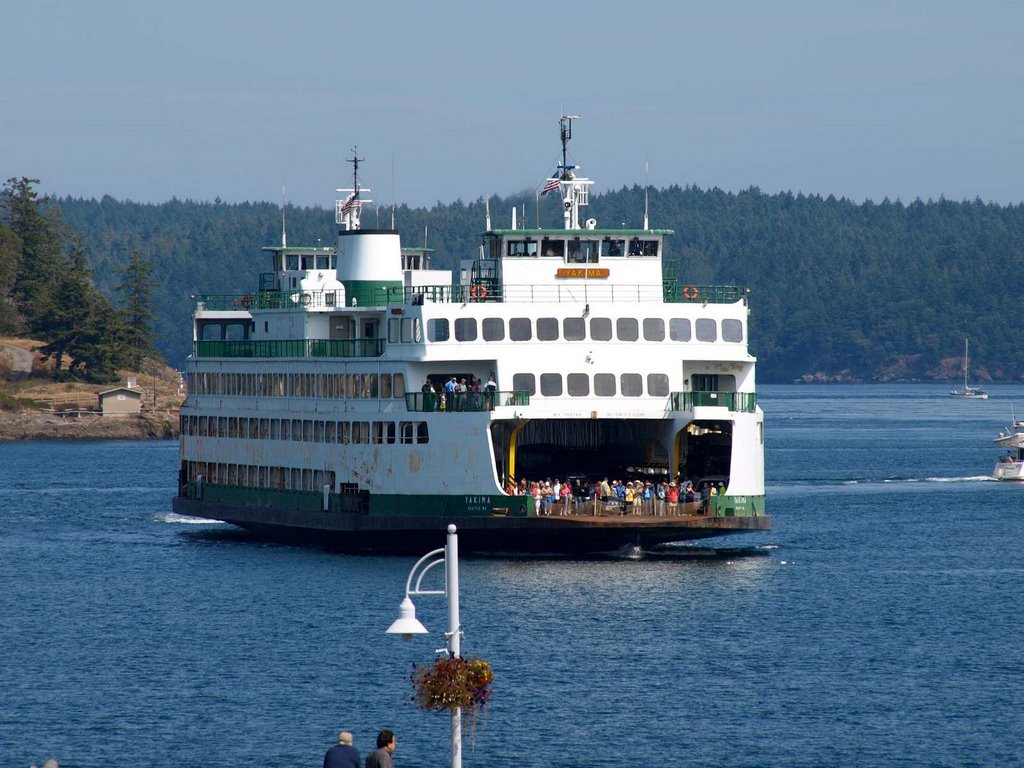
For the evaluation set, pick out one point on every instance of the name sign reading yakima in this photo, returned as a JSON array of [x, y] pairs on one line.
[[582, 272]]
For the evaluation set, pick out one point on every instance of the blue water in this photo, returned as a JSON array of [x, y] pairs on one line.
[[877, 624]]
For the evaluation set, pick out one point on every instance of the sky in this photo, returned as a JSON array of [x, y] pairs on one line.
[[459, 99]]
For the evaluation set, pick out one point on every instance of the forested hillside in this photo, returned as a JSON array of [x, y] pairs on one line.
[[839, 290]]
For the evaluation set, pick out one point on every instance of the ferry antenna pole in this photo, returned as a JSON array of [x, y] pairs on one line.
[[407, 624]]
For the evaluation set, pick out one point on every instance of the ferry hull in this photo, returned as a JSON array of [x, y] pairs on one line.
[[393, 534]]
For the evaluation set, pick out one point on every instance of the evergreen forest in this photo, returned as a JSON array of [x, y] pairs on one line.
[[839, 290]]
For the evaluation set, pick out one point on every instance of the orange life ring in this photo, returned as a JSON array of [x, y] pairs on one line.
[[478, 291], [247, 301], [690, 292]]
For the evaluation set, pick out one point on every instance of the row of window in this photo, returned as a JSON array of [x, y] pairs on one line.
[[334, 385], [247, 475], [385, 385], [604, 384], [570, 329], [307, 430], [580, 250]]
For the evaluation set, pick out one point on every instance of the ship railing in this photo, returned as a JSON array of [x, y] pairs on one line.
[[270, 299], [289, 348], [487, 291], [464, 402], [743, 402]]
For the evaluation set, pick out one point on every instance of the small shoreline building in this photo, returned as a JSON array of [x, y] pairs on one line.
[[120, 402]]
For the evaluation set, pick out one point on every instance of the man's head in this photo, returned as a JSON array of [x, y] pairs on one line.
[[386, 738], [345, 738]]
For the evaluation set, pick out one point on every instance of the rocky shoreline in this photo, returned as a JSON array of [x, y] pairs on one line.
[[37, 425]]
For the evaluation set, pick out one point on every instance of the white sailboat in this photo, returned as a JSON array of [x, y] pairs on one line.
[[968, 392]]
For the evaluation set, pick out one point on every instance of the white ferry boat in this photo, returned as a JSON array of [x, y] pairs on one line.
[[320, 406]]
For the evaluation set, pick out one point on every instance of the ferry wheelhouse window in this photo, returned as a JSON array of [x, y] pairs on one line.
[[654, 329], [465, 329], [292, 261], [547, 329], [493, 328], [657, 385], [520, 329], [578, 384], [632, 384], [411, 330], [707, 329], [323, 261], [583, 251], [732, 330], [437, 330], [521, 248], [551, 384], [552, 247], [641, 247], [574, 329], [524, 382], [612, 246], [601, 328], [604, 384], [626, 329], [679, 329]]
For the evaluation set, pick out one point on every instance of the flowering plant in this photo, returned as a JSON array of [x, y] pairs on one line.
[[448, 684]]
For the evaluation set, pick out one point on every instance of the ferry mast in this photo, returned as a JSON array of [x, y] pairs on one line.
[[575, 189]]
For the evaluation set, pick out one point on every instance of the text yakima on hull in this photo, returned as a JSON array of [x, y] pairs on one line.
[[561, 392]]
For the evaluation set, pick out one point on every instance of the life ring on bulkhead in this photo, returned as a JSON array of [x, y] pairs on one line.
[[690, 292], [306, 299], [247, 300], [478, 291]]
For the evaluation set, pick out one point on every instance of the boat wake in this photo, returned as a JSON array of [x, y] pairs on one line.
[[176, 519]]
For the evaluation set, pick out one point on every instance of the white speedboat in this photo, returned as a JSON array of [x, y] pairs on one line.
[[968, 392], [1010, 466]]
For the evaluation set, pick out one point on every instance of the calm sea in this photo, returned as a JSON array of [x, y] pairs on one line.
[[878, 624]]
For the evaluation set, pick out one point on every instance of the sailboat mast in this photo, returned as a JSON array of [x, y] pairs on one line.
[[966, 363]]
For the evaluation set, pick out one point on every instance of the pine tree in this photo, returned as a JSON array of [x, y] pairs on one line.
[[11, 321], [136, 287], [41, 245]]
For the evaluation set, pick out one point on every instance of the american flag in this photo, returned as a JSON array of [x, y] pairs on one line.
[[349, 204], [549, 186]]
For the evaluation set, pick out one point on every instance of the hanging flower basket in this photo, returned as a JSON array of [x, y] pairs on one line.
[[449, 684]]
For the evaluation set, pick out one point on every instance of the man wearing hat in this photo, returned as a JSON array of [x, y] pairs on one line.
[[342, 754]]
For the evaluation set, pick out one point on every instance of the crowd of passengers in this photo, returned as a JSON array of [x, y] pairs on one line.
[[637, 497], [459, 395]]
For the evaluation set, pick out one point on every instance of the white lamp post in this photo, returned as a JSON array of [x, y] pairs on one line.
[[408, 625]]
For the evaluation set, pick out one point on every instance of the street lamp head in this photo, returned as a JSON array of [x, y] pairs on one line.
[[406, 624]]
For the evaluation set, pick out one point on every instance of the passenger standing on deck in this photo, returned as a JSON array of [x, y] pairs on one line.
[[672, 496], [381, 758], [342, 754], [429, 396], [490, 391]]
